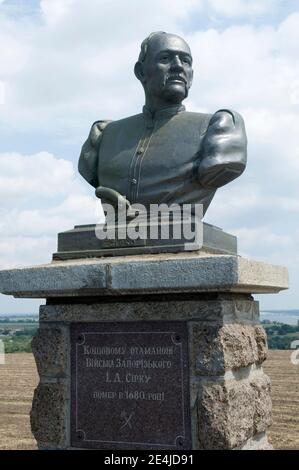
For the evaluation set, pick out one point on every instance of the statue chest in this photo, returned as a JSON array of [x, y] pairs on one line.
[[146, 160]]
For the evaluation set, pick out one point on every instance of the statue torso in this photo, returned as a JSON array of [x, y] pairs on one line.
[[155, 160]]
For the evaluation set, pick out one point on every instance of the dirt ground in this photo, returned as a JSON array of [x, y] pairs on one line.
[[18, 378], [284, 432]]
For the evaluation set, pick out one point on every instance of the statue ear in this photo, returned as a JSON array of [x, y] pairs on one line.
[[138, 70]]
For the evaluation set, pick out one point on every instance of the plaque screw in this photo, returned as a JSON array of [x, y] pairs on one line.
[[178, 338], [79, 435], [180, 443], [80, 338]]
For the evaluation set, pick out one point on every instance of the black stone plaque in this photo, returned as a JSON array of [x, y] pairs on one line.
[[130, 386]]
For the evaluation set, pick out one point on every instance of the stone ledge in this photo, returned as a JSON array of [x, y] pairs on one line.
[[145, 274], [219, 311]]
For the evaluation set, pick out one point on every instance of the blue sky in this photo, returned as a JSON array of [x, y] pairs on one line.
[[66, 63]]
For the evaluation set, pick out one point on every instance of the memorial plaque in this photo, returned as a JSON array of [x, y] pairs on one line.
[[130, 386]]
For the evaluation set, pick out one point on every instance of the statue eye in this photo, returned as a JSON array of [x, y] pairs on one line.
[[186, 60], [164, 58]]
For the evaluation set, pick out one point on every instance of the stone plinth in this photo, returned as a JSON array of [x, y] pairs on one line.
[[146, 274], [184, 330]]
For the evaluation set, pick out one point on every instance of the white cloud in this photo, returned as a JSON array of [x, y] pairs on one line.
[[17, 251], [50, 221], [55, 11], [40, 196], [289, 35], [262, 237], [24, 177], [236, 8], [14, 53]]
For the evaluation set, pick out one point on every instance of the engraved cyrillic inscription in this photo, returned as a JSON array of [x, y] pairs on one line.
[[130, 385]]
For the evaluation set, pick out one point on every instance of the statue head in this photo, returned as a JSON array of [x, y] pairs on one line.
[[164, 68]]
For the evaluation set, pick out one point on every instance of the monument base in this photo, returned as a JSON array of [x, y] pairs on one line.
[[214, 396], [159, 352], [82, 241]]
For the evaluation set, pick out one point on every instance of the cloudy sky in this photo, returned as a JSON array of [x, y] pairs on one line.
[[66, 63]]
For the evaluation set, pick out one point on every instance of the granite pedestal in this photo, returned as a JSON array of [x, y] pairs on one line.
[[150, 352]]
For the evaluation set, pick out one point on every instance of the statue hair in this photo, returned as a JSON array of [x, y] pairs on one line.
[[145, 44]]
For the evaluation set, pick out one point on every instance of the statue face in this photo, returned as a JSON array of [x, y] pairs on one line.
[[167, 69]]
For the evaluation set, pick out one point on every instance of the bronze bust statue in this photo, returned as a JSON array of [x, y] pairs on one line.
[[164, 154]]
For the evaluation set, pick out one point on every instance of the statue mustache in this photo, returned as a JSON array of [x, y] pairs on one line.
[[175, 76]]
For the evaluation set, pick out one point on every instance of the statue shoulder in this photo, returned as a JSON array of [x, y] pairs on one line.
[[233, 113], [204, 119], [96, 132], [88, 160], [224, 149]]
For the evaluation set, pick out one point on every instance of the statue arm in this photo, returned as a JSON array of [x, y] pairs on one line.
[[88, 161], [224, 149]]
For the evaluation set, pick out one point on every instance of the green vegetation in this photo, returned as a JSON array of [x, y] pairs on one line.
[[280, 335], [17, 333], [14, 344]]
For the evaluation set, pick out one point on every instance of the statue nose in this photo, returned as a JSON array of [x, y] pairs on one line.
[[176, 63]]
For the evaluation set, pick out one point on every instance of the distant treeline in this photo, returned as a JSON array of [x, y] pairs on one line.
[[280, 335], [18, 320]]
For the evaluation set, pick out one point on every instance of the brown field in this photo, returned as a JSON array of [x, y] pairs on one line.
[[18, 379], [284, 432]]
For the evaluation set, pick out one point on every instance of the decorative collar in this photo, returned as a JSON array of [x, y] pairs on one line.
[[163, 113]]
